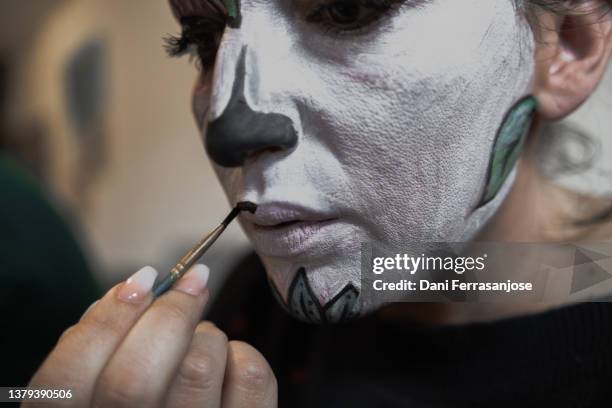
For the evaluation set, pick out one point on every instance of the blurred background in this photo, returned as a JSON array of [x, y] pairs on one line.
[[102, 170], [102, 118]]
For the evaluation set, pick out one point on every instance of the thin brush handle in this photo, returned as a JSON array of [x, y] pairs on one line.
[[191, 257], [187, 261]]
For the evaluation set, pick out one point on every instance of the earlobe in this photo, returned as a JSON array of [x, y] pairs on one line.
[[571, 60]]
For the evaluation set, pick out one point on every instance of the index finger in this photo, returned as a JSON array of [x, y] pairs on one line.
[[85, 348], [141, 370]]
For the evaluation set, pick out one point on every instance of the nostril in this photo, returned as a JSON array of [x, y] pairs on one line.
[[253, 156]]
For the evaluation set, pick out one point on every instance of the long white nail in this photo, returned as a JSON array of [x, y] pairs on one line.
[[138, 286], [195, 280]]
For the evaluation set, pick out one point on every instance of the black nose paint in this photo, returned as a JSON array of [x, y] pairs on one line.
[[241, 132]]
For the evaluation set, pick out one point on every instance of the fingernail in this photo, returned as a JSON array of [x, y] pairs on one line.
[[195, 280], [138, 286]]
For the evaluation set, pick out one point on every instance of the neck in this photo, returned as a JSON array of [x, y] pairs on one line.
[[538, 210]]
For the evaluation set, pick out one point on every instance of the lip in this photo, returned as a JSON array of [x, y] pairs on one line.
[[274, 214], [286, 229]]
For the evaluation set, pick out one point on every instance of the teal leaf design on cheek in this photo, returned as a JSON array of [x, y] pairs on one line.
[[509, 144]]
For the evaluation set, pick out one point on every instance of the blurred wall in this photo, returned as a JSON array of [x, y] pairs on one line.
[[20, 20], [157, 193]]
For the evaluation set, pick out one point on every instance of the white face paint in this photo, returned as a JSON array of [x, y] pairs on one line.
[[395, 129]]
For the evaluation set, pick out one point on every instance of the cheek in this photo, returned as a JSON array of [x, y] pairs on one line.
[[230, 179], [421, 150], [201, 98]]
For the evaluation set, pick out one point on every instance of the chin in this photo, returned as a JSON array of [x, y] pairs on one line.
[[320, 286]]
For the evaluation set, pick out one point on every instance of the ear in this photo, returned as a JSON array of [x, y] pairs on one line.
[[572, 56]]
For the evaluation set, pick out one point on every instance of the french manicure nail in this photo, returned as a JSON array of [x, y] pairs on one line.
[[138, 286], [195, 280]]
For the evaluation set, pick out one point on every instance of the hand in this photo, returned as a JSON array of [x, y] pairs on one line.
[[128, 351]]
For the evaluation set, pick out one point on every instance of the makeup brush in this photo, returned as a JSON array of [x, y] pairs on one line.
[[191, 257]]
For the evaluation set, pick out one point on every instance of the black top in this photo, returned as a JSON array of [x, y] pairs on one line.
[[560, 358]]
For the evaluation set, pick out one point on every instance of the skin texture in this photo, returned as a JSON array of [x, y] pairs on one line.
[[394, 136]]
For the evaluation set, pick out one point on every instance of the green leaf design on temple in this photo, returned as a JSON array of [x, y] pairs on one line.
[[232, 8], [509, 144]]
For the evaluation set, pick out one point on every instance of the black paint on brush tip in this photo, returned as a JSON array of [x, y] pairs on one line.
[[247, 206], [240, 207]]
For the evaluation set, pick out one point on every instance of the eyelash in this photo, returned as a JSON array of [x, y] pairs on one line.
[[199, 39], [198, 31]]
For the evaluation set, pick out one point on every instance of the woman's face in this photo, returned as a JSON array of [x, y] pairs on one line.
[[393, 106]]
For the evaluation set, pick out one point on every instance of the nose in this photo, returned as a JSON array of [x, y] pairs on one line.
[[241, 132]]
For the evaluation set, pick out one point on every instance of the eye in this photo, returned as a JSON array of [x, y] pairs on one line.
[[344, 12], [347, 15]]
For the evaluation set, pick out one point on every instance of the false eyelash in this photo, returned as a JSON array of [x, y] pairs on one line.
[[200, 37], [175, 46]]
